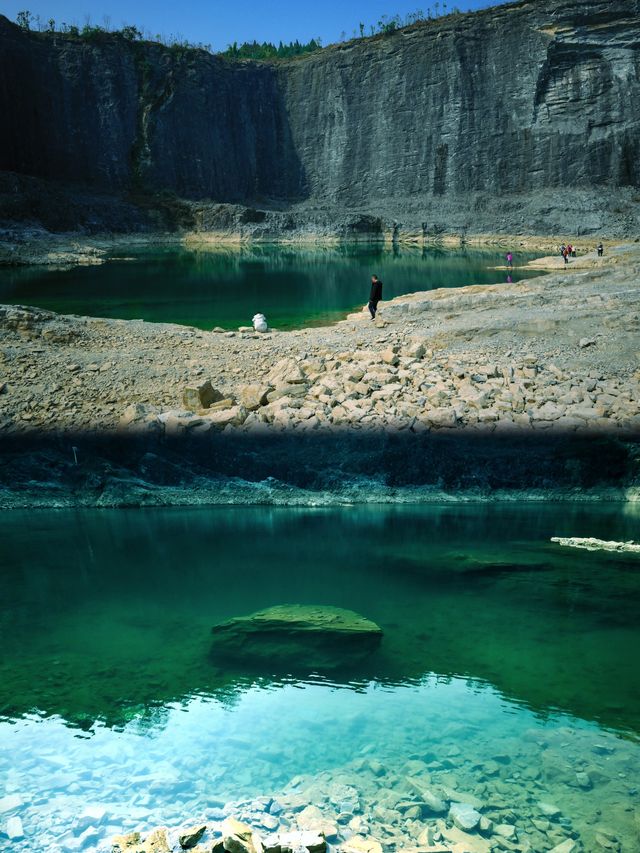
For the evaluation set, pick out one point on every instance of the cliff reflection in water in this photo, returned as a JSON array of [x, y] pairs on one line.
[[222, 286], [107, 615]]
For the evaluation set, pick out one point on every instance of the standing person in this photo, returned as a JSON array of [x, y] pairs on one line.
[[375, 296], [510, 260], [600, 250]]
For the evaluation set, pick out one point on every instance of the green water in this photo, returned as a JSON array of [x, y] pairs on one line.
[[225, 287], [496, 643]]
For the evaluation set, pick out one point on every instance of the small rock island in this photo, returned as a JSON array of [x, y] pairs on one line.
[[307, 636]]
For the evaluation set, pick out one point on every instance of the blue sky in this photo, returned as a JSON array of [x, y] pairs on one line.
[[219, 22]]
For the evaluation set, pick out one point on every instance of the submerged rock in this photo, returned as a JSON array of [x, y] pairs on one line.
[[464, 816], [301, 636]]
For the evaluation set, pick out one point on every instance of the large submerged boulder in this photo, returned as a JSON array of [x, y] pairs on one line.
[[296, 636]]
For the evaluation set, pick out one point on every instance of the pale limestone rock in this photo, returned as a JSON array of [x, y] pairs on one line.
[[201, 396], [286, 371], [360, 844], [549, 809], [355, 374], [485, 826], [138, 415], [10, 803], [90, 816], [566, 846], [464, 816], [390, 356], [506, 830], [294, 841], [591, 544], [234, 415], [258, 843], [486, 416], [232, 828], [415, 350], [442, 417], [220, 405], [14, 830], [155, 842], [569, 423], [253, 396], [548, 412], [309, 815], [462, 797], [283, 389]]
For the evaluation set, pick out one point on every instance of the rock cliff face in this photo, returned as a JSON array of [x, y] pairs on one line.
[[121, 115], [518, 98], [531, 98]]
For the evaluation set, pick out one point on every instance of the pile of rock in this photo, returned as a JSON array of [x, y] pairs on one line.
[[232, 836], [406, 386]]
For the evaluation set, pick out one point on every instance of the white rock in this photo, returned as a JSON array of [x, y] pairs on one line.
[[464, 816], [91, 816], [294, 841], [235, 416], [566, 846], [444, 417], [549, 809], [506, 830], [10, 803], [14, 829]]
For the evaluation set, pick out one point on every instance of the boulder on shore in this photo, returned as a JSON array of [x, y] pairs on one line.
[[299, 636]]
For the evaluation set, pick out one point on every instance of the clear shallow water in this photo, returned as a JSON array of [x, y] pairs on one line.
[[499, 647], [226, 287]]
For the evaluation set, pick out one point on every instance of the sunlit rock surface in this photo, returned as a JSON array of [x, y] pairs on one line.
[[311, 636]]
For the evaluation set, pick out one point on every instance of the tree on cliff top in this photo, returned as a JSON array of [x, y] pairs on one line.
[[247, 50]]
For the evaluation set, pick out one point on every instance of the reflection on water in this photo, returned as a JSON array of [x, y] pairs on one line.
[[226, 287], [496, 643]]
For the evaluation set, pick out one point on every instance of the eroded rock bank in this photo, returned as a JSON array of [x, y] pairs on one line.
[[528, 386]]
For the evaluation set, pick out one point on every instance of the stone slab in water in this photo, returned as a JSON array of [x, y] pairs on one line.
[[310, 637]]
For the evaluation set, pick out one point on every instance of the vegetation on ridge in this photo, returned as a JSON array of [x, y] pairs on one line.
[[247, 50]]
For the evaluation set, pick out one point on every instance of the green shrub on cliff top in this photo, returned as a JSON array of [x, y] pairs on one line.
[[247, 50]]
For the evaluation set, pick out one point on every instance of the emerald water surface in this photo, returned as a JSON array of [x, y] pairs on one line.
[[225, 287], [509, 666]]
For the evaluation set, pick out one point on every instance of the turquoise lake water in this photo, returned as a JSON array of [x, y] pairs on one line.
[[225, 287], [508, 667]]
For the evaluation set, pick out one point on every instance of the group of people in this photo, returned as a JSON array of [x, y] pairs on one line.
[[375, 295], [569, 251]]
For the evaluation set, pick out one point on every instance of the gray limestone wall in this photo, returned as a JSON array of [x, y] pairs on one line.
[[514, 99], [536, 97]]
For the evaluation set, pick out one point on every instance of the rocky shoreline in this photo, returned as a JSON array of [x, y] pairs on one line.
[[547, 359], [445, 787], [536, 791]]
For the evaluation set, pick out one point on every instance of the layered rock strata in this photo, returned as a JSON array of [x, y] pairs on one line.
[[531, 103]]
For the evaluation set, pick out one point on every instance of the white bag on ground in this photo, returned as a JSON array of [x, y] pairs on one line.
[[260, 323]]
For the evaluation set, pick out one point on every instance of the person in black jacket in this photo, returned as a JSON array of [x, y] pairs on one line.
[[375, 296]]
